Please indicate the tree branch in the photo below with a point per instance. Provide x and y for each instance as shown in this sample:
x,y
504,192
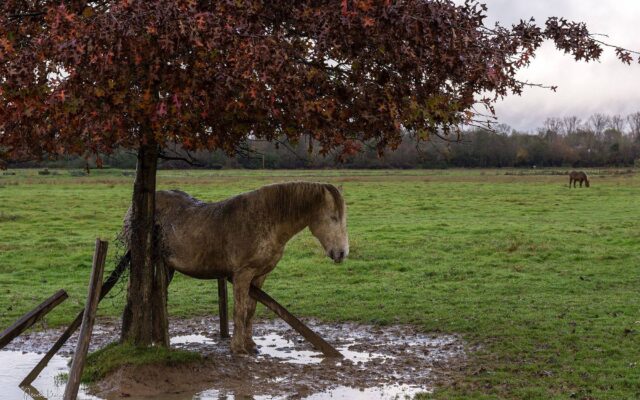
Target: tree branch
x,y
26,15
189,159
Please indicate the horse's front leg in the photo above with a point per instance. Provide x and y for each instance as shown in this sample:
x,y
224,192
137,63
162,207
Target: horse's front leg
x,y
241,284
250,345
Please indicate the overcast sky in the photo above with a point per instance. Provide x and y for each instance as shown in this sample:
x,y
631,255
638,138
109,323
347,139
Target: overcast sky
x,y
607,86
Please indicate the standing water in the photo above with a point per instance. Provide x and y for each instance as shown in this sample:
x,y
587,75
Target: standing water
x,y
15,365
394,362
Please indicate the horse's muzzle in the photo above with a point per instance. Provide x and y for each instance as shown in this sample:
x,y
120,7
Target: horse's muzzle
x,y
337,255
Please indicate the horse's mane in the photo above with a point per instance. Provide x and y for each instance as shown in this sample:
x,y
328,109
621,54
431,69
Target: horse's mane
x,y
294,199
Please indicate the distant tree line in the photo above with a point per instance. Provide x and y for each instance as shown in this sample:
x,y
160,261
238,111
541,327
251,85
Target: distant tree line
x,y
599,141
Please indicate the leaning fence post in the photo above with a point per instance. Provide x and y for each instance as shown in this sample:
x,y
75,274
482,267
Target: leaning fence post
x,y
93,298
108,284
31,317
315,339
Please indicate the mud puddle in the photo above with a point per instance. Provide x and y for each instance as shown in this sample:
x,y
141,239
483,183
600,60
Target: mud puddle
x,y
338,393
379,363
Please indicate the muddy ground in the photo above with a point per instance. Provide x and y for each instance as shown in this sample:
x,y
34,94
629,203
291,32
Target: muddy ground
x,y
380,362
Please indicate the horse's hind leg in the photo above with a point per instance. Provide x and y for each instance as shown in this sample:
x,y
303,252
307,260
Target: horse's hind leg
x,y
241,283
250,345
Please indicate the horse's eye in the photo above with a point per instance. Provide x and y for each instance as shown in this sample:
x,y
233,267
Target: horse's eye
x,y
334,219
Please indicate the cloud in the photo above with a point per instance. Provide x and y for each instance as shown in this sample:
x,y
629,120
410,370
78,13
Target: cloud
x,y
607,86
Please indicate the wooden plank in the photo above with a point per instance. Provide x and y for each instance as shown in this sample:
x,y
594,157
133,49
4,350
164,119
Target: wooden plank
x,y
106,287
88,318
318,342
223,308
32,393
31,317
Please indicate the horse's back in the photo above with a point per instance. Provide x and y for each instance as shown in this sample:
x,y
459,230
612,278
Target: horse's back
x,y
577,175
167,200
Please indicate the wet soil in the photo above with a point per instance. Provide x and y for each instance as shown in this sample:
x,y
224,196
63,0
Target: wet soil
x,y
379,363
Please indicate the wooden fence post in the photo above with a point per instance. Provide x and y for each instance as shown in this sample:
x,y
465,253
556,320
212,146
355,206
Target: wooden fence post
x,y
318,342
222,308
106,287
93,298
31,317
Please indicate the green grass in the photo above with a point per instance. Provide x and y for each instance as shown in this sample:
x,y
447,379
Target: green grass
x,y
542,281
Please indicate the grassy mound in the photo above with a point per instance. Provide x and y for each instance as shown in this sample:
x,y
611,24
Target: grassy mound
x,y
112,357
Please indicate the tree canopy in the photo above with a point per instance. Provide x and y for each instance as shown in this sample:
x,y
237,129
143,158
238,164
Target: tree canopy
x,y
86,77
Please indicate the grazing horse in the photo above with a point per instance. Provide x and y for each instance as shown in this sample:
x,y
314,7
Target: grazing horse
x,y
578,176
244,237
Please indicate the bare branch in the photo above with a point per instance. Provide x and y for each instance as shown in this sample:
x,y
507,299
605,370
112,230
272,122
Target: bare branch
x,y
188,158
26,15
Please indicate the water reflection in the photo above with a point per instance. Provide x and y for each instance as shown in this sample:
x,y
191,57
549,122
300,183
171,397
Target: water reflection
x,y
277,346
15,365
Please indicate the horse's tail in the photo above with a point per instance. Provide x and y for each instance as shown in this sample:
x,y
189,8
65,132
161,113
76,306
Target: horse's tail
x,y
125,234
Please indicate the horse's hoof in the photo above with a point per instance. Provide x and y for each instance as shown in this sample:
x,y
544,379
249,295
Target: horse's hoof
x,y
238,348
251,349
251,346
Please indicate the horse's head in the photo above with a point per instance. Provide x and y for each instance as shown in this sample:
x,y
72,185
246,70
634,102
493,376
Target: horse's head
x,y
586,180
329,224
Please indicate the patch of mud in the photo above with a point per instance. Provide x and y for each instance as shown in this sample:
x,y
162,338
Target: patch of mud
x,y
379,363
105,331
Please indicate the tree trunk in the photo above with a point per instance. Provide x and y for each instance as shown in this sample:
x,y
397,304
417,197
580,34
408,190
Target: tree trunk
x,y
144,320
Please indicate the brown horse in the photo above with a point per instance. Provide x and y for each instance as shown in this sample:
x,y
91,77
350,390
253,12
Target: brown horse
x,y
578,176
244,237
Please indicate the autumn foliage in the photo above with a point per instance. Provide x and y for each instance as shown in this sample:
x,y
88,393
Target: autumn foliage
x,y
84,77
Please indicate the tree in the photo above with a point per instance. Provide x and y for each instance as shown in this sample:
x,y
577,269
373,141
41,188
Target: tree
x,y
87,77
617,123
553,126
634,125
570,124
598,122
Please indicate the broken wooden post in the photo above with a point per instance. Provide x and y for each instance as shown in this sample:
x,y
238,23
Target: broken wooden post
x,y
106,287
318,342
90,309
222,308
32,392
31,317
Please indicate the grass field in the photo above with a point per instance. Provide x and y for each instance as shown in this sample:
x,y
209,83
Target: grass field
x,y
542,281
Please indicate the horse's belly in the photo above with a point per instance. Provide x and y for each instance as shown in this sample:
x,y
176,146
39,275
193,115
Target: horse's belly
x,y
194,258
199,268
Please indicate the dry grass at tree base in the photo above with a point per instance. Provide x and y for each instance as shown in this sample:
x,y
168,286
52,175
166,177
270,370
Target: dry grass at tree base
x,y
542,279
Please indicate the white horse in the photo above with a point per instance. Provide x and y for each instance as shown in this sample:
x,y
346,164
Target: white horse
x,y
244,237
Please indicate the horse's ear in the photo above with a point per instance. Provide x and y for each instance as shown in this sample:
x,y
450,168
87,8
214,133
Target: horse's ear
x,y
340,189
